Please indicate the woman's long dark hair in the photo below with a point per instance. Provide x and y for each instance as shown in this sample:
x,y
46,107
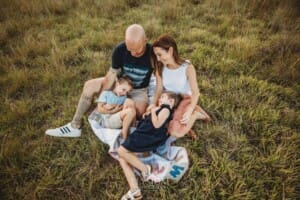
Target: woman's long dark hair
x,y
164,42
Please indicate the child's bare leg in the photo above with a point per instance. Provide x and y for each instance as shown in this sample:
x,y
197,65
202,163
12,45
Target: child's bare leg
x,y
129,174
132,159
129,103
127,116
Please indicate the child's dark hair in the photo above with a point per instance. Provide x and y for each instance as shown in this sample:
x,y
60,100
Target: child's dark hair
x,y
124,79
171,95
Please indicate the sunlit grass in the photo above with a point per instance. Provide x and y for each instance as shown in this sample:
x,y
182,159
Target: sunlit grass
x,y
246,55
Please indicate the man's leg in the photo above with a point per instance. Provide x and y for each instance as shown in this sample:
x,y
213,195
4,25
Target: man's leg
x,y
72,129
91,88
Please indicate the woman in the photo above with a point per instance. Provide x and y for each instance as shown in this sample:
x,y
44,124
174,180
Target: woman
x,y
177,75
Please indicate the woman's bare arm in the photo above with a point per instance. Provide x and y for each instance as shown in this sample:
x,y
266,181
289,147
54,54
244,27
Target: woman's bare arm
x,y
192,78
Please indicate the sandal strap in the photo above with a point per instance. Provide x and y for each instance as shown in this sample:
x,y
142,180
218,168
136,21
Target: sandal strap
x,y
136,194
145,175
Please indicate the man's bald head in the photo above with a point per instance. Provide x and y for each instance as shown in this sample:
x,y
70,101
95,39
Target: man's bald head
x,y
135,40
135,33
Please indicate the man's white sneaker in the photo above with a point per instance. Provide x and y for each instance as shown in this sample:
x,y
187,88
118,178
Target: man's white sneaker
x,y
64,131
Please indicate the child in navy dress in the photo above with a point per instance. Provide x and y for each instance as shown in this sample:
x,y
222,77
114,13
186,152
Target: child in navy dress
x,y
151,132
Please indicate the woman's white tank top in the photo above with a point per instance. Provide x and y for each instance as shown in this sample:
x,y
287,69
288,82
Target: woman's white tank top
x,y
175,80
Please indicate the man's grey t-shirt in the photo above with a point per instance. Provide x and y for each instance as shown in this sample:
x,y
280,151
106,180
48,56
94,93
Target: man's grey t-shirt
x,y
138,69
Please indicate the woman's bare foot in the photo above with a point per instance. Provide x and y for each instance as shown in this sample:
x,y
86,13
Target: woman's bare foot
x,y
201,114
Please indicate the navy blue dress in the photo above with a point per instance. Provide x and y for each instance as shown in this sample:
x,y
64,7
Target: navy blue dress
x,y
146,137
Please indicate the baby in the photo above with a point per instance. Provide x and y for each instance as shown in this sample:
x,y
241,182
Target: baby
x,y
110,112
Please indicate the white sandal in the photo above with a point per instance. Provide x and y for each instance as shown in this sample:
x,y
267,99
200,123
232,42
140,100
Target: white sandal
x,y
145,175
135,195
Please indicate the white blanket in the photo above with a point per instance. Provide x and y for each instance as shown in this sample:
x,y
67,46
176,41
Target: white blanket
x,y
168,162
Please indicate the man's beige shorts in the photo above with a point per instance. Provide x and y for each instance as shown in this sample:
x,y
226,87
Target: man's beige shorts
x,y
139,95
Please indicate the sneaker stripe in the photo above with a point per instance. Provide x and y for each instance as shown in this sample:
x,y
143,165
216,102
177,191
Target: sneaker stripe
x,y
68,129
62,130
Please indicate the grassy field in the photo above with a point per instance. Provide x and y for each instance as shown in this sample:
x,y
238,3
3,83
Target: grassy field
x,y
247,57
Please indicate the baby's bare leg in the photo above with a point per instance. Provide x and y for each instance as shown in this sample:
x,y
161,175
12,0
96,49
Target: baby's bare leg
x,y
128,117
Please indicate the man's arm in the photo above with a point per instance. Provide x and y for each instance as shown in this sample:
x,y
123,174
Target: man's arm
x,y
115,70
110,78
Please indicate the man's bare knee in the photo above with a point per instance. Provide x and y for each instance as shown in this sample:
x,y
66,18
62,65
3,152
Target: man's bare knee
x,y
93,86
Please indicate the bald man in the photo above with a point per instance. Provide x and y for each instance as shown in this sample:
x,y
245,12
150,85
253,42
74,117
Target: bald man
x,y
130,58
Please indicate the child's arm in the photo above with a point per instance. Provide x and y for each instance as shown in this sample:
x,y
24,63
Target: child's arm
x,y
109,106
158,120
101,108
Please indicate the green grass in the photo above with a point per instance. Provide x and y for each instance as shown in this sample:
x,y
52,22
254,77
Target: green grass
x,y
246,55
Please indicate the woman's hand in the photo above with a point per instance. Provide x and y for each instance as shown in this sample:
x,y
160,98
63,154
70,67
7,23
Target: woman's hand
x,y
186,116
